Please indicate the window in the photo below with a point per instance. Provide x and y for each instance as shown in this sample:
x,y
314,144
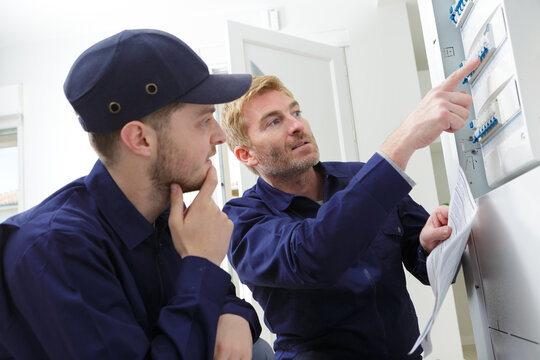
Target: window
x,y
9,181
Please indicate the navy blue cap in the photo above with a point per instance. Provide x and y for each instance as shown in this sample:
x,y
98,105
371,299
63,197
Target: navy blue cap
x,y
135,72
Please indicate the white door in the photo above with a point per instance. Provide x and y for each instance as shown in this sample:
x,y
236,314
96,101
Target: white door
x,y
317,76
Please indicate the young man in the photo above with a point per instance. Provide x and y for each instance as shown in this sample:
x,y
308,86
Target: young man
x,y
321,245
112,266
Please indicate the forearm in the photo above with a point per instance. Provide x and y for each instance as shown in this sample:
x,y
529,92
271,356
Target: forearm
x,y
88,312
188,323
314,252
398,148
236,306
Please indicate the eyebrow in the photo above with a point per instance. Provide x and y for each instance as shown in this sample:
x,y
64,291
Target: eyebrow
x,y
276,112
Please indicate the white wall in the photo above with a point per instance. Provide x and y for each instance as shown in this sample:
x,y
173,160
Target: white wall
x,y
55,150
383,80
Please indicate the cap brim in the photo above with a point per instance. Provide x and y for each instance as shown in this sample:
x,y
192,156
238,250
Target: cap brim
x,y
218,89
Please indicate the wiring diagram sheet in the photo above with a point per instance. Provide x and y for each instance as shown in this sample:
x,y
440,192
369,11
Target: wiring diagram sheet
x,y
443,262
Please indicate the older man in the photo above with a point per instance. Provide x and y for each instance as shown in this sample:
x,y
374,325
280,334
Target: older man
x,y
321,245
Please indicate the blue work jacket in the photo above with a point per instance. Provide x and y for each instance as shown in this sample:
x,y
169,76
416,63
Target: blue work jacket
x,y
330,278
84,275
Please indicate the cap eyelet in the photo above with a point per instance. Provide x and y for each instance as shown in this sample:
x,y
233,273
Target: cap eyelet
x,y
151,89
114,107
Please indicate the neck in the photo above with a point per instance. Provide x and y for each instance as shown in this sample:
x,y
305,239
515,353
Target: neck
x,y
309,184
140,191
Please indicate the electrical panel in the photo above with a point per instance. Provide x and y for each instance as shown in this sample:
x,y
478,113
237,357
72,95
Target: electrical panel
x,y
499,150
501,127
502,139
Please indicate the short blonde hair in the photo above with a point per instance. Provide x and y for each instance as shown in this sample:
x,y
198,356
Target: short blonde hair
x,y
232,118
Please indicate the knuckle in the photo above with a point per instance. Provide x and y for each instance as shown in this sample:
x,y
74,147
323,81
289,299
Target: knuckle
x,y
443,112
437,92
433,92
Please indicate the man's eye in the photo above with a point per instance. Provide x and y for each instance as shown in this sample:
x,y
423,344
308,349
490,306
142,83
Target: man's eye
x,y
273,122
297,113
205,122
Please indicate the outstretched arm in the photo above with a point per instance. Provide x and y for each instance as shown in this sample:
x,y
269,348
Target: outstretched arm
x,y
440,110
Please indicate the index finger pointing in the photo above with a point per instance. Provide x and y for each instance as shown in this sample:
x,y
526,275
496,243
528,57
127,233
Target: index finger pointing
x,y
209,184
452,82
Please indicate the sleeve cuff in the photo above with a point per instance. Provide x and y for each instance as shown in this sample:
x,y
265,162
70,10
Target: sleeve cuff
x,y
422,253
398,169
379,178
236,306
199,275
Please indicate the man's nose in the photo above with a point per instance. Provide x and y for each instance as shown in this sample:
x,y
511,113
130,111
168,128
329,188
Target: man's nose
x,y
296,125
219,136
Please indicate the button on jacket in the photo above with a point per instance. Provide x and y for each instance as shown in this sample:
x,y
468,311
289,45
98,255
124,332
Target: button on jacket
x,y
85,276
330,278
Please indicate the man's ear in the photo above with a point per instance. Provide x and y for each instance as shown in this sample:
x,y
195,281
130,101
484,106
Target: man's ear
x,y
245,156
139,138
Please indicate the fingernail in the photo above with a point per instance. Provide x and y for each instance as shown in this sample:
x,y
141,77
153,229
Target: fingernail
x,y
173,188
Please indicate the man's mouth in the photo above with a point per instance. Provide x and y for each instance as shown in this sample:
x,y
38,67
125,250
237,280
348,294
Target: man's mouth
x,y
302,143
212,153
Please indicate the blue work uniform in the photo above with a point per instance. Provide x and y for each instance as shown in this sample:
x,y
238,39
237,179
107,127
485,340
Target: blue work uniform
x,y
86,276
330,278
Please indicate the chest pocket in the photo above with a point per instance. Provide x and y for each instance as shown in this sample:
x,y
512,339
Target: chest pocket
x,y
393,229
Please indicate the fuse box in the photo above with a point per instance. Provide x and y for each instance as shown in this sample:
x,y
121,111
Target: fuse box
x,y
502,139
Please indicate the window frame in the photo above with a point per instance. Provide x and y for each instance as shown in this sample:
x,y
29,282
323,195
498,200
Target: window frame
x,y
14,121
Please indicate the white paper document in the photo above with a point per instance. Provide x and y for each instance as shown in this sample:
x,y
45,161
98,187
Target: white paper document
x,y
444,260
